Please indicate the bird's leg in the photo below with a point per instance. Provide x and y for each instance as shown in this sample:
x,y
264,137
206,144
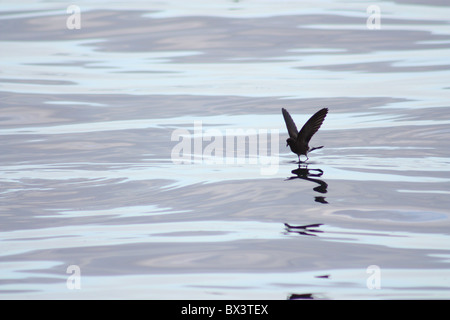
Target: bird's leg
x,y
300,162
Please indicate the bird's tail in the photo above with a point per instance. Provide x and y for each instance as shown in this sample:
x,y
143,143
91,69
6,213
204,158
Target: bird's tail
x,y
315,148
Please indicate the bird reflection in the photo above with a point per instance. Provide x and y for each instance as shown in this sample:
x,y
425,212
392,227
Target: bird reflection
x,y
302,172
306,296
302,296
305,230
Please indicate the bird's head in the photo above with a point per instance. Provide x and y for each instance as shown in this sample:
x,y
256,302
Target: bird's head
x,y
290,142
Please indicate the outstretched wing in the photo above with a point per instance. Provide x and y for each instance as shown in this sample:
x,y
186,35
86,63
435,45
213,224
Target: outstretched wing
x,y
312,125
290,124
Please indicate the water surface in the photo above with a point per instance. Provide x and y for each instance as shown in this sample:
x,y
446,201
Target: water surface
x,y
88,179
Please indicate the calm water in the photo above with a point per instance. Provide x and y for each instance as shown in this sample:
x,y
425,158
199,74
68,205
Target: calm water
x,y
88,177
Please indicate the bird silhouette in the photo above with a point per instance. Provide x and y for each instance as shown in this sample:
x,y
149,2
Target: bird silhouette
x,y
298,140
